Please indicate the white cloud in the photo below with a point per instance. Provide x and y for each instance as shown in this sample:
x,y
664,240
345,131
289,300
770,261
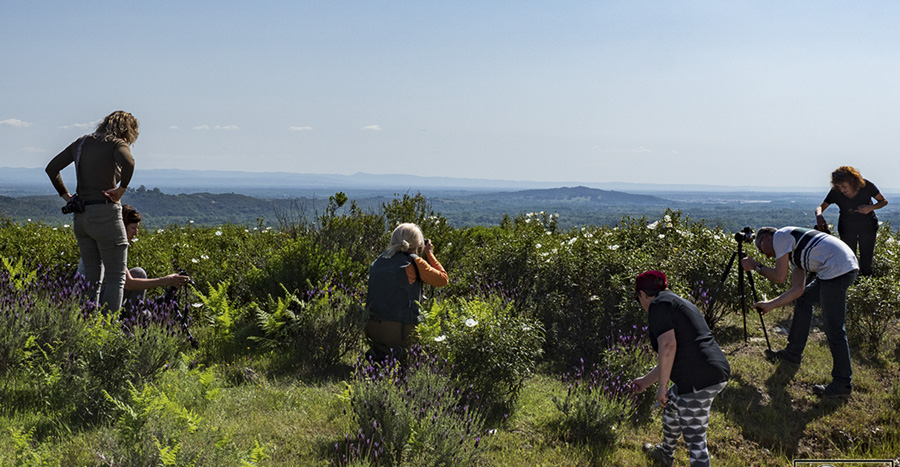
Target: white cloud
x,y
372,127
299,128
15,123
217,127
82,126
173,127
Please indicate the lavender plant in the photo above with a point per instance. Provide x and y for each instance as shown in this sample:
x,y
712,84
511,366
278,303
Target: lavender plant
x,y
411,415
600,397
60,353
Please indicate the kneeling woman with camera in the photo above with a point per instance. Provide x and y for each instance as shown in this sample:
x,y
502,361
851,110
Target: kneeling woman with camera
x,y
102,161
395,290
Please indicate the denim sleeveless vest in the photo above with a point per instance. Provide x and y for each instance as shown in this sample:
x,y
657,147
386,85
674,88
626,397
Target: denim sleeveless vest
x,y
390,296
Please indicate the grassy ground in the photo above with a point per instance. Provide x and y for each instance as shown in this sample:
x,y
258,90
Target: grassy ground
x,y
767,415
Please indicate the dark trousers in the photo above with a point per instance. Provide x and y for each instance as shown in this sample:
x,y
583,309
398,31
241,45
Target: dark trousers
x,y
831,294
389,335
862,235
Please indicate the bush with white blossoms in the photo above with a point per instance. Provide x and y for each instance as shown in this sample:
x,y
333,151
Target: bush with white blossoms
x,y
492,349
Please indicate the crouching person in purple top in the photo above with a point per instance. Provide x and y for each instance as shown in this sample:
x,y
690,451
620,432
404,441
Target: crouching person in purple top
x,y
688,356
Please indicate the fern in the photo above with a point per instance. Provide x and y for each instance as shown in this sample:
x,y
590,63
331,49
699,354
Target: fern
x,y
19,275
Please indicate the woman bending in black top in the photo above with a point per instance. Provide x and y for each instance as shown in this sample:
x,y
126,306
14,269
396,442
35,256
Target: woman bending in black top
x,y
857,223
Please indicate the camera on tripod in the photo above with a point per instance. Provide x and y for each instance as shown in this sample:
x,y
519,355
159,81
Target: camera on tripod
x,y
745,235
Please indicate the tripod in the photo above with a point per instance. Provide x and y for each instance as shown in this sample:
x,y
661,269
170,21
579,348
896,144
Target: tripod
x,y
744,236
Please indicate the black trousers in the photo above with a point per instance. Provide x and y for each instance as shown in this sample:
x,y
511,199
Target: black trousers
x,y
861,234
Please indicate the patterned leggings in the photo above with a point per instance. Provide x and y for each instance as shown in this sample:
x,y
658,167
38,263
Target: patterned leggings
x,y
688,415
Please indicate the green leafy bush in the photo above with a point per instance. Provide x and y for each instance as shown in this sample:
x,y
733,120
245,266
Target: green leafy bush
x,y
873,305
492,350
316,332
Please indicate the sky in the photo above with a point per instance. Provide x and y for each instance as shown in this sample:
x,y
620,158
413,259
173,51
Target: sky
x,y
758,93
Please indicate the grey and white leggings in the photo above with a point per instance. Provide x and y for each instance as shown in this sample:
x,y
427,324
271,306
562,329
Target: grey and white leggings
x,y
688,415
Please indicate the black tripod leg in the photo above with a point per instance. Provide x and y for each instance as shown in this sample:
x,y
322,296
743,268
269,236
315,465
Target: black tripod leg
x,y
761,322
715,295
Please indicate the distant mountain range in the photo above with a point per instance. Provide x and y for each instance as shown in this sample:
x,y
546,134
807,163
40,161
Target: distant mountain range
x,y
33,181
578,194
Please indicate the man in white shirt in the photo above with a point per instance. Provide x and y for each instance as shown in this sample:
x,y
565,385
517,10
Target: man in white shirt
x,y
806,250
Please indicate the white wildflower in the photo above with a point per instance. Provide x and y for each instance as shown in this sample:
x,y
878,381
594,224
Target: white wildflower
x,y
573,240
537,245
594,298
204,257
440,338
196,305
662,236
667,218
471,323
653,225
195,260
65,226
613,247
159,231
218,233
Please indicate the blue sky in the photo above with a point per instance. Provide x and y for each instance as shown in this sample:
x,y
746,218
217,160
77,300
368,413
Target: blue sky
x,y
764,93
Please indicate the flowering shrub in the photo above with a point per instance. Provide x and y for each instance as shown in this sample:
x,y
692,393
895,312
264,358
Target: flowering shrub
x,y
58,352
411,415
492,350
600,395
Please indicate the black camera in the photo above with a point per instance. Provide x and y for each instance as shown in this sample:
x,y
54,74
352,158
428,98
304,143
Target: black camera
x,y
745,235
75,204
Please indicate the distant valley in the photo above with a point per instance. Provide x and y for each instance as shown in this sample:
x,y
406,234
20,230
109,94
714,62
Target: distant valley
x,y
253,199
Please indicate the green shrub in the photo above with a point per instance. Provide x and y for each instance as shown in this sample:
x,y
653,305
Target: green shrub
x,y
873,305
492,350
316,332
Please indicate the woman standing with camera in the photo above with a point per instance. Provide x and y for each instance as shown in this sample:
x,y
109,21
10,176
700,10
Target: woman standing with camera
x,y
857,223
103,168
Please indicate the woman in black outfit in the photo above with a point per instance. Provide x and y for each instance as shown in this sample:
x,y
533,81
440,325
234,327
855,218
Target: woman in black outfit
x,y
857,223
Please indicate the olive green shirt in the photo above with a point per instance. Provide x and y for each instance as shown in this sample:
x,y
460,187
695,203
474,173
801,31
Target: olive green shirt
x,y
103,166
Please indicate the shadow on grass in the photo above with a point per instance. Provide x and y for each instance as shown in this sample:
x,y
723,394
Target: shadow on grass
x,y
772,418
